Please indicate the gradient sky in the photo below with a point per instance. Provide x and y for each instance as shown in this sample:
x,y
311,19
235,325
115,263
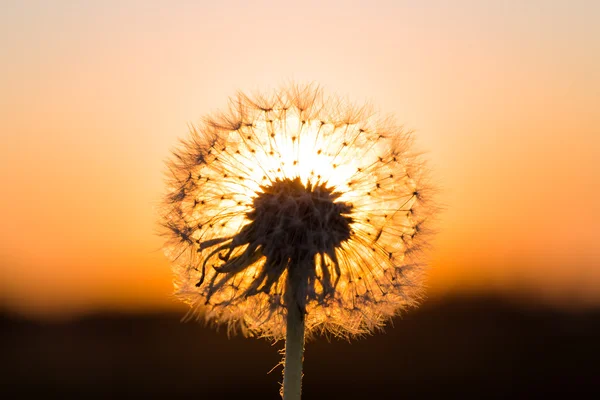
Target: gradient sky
x,y
505,98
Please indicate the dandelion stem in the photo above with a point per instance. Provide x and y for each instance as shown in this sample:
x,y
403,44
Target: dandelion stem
x,y
294,352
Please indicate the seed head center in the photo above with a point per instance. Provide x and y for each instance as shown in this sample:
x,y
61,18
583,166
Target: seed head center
x,y
294,221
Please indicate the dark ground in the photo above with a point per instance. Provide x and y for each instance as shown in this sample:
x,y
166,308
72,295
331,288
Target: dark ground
x,y
463,347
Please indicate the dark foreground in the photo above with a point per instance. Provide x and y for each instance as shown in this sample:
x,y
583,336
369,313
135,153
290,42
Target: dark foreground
x,y
467,348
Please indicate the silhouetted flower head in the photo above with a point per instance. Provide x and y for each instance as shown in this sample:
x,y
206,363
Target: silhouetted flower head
x,y
298,188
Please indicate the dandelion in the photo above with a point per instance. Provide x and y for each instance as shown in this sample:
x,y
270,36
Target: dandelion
x,y
292,214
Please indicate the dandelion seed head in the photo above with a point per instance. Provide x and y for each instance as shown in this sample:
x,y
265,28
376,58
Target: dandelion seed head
x,y
297,187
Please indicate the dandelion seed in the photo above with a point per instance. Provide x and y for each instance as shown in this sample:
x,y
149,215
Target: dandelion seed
x,y
294,214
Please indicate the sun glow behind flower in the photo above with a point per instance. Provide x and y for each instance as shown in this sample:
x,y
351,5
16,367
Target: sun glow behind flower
x,y
323,164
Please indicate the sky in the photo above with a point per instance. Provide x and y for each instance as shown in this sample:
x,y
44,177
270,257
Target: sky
x,y
503,98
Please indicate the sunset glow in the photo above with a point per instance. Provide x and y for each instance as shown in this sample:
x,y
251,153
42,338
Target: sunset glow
x,y
503,99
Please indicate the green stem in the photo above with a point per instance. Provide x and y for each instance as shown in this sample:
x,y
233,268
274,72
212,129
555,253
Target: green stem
x,y
294,353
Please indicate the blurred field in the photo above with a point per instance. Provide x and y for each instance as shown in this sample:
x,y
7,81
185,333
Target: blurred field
x,y
456,347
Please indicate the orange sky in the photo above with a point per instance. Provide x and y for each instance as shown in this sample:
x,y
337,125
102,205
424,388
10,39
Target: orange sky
x,y
504,98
